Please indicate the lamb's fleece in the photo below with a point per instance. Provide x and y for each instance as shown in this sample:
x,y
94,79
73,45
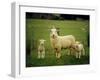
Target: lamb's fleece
x,y
79,49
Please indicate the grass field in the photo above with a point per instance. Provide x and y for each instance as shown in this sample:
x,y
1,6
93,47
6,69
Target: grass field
x,y
39,29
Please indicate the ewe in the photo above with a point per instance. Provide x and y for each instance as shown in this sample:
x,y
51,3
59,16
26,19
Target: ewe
x,y
41,49
79,49
59,42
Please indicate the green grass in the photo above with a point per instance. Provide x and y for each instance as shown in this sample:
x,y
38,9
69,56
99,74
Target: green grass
x,y
40,29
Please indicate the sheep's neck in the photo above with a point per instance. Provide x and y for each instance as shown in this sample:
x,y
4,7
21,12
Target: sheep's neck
x,y
54,41
41,45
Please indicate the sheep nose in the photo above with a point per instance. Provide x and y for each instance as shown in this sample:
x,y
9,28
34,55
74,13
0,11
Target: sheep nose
x,y
53,35
41,43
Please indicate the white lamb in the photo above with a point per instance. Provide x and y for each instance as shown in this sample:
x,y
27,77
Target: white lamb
x,y
41,49
59,42
79,49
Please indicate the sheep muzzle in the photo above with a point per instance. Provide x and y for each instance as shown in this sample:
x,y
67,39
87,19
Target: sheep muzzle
x,y
53,36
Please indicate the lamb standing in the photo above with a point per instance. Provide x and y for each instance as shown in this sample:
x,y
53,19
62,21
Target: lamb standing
x,y
59,42
41,49
79,49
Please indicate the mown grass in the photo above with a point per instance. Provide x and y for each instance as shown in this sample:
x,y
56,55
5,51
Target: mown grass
x,y
40,29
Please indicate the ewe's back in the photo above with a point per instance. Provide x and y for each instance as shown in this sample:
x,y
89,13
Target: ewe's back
x,y
66,41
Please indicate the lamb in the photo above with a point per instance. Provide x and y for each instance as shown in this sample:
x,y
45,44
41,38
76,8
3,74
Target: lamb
x,y
59,42
79,49
41,49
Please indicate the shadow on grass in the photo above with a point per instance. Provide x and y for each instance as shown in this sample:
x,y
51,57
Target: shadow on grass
x,y
48,61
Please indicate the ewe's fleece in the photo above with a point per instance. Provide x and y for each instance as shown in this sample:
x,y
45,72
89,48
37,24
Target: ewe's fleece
x,y
59,42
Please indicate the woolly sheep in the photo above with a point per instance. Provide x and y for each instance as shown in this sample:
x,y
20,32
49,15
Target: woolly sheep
x,y
79,49
41,49
59,42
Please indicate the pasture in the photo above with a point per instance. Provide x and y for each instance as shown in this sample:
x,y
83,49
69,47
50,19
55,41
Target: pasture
x,y
40,29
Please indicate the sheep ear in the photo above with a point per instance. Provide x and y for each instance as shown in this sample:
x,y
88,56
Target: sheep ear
x,y
77,42
44,40
40,40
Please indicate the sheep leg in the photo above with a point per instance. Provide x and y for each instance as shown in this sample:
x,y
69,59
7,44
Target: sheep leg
x,y
71,52
55,51
68,52
39,55
76,54
43,54
58,55
79,56
83,52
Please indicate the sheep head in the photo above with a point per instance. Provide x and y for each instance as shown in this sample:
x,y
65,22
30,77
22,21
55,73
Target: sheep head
x,y
53,32
76,45
42,41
